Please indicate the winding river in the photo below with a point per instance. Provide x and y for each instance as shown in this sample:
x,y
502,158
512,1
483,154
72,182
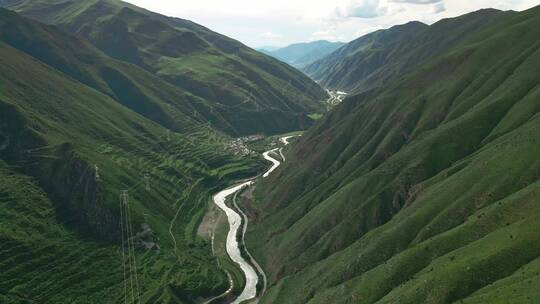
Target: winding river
x,y
235,220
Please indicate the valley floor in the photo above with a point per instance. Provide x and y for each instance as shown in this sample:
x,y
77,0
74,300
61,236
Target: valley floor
x,y
254,276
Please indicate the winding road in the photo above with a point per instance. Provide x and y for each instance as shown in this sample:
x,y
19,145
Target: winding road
x,y
336,97
275,162
235,220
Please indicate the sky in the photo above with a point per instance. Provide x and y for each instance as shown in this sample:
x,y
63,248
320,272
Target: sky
x,y
278,23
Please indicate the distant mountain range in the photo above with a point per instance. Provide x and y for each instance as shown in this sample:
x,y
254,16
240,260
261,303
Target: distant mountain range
x,y
268,49
301,54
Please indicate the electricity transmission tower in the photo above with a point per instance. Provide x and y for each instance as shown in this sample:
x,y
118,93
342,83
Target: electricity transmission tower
x,y
147,181
129,262
96,176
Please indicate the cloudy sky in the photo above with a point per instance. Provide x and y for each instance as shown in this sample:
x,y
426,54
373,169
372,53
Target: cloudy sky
x,y
281,22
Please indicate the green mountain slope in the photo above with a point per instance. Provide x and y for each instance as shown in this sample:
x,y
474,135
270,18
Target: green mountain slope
x,y
424,191
68,148
244,91
373,59
132,87
302,54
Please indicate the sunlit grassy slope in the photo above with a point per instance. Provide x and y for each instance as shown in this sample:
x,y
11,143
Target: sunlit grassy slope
x,y
424,190
59,227
239,90
130,86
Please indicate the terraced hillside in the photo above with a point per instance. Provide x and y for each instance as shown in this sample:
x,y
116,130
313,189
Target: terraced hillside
x,y
422,191
239,90
372,60
67,149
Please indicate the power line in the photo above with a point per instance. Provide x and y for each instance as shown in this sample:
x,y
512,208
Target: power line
x,y
124,196
147,181
96,176
123,247
132,250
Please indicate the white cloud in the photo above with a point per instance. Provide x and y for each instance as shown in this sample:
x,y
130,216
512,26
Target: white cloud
x,y
271,35
329,35
361,9
439,8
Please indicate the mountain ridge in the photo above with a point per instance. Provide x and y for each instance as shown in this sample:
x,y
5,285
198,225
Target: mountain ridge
x,y
378,57
244,92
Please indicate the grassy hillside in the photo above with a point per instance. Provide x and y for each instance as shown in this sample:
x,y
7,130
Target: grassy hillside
x,y
131,86
241,90
370,61
67,149
424,191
